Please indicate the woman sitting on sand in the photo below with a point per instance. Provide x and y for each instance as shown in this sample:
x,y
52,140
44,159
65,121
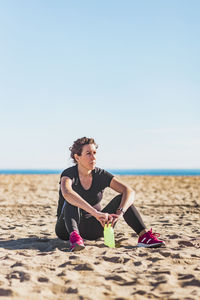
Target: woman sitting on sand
x,y
81,190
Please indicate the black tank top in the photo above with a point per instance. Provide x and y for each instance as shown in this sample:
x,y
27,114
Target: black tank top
x,y
100,180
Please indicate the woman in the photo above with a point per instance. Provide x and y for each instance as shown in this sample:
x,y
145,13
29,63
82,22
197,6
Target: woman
x,y
81,190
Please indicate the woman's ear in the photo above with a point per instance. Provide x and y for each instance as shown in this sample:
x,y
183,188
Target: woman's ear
x,y
76,157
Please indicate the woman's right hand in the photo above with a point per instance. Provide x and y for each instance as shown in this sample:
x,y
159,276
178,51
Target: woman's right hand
x,y
103,218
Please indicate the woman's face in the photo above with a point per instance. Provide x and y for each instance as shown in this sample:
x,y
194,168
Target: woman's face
x,y
87,159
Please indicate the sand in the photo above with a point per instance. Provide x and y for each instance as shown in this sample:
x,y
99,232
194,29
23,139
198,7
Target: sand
x,y
35,264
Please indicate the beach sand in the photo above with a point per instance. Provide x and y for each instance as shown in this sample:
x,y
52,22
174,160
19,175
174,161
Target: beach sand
x,y
35,264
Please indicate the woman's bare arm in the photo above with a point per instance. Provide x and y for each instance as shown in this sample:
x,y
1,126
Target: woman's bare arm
x,y
73,198
128,196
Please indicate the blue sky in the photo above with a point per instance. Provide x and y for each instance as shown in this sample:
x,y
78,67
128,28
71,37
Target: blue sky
x,y
124,72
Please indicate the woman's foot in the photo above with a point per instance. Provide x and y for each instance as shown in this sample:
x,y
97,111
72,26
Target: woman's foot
x,y
76,242
149,240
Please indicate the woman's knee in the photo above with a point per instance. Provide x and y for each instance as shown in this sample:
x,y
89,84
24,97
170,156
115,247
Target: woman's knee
x,y
61,232
118,197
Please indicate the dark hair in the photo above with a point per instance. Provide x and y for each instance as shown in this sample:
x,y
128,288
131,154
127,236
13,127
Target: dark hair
x,y
77,146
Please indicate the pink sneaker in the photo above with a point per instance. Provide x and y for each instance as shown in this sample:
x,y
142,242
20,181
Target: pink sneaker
x,y
149,240
76,242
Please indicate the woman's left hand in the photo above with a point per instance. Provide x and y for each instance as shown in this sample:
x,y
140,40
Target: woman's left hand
x,y
116,217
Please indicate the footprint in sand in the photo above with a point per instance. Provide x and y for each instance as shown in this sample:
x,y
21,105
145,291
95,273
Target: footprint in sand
x,y
188,224
142,254
84,267
161,272
188,280
73,256
20,275
61,274
156,283
159,280
139,292
72,290
64,265
165,254
167,293
176,255
193,282
17,264
185,276
43,279
114,278
165,221
154,259
116,259
185,243
8,228
120,280
173,236
5,292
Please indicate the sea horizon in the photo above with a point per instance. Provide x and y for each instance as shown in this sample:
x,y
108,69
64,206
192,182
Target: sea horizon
x,y
122,172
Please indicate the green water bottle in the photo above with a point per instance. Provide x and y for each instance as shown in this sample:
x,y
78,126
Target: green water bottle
x,y
109,239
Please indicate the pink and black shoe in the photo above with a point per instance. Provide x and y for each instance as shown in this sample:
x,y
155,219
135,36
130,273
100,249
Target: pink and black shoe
x,y
76,242
149,240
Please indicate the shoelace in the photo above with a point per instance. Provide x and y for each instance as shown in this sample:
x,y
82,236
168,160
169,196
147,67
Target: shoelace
x,y
74,237
153,234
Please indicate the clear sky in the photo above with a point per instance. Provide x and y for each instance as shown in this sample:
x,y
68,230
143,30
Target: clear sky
x,y
124,72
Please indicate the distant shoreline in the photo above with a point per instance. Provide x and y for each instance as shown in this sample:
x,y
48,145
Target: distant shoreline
x,y
122,172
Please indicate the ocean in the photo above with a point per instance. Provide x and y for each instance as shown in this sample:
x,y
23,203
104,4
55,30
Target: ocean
x,y
136,172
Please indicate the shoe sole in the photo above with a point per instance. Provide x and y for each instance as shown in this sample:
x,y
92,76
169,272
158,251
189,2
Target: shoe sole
x,y
151,246
77,248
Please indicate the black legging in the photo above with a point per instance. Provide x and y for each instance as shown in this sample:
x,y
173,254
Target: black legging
x,y
73,218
